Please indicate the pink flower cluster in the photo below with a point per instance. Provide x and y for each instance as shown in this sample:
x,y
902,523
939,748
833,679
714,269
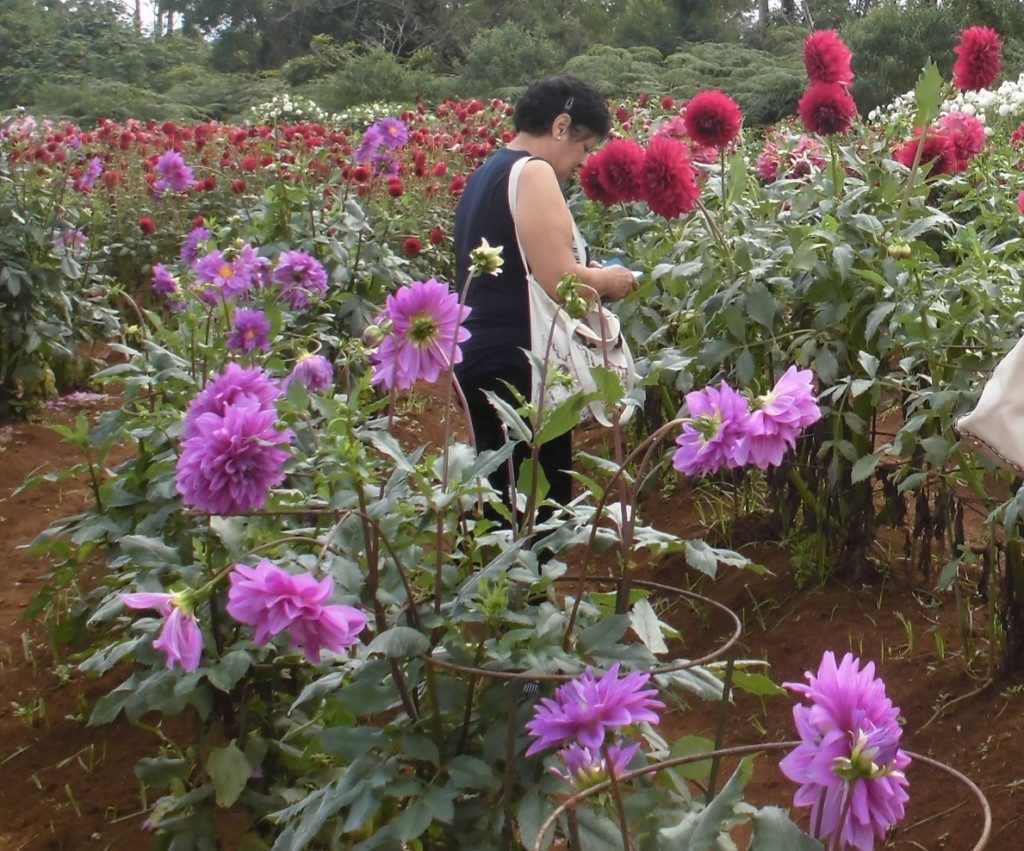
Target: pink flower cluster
x,y
723,431
948,146
791,158
273,601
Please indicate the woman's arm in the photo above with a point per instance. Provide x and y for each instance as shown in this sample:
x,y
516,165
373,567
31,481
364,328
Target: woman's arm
x,y
544,225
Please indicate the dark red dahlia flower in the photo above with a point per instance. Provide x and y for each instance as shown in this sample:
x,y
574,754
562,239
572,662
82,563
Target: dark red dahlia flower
x,y
939,152
979,58
827,109
827,58
412,246
593,187
667,179
147,225
712,119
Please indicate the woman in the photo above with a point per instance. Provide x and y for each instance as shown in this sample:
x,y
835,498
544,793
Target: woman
x,y
558,121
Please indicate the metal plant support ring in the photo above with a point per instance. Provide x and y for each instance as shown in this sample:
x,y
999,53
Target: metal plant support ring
x,y
747,750
537,676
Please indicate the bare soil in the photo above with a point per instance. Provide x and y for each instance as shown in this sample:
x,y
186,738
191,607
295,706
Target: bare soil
x,y
65,785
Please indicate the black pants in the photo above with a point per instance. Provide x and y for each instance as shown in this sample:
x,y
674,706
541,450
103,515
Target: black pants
x,y
555,455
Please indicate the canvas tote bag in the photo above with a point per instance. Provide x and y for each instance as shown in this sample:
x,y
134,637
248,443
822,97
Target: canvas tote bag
x,y
996,425
577,345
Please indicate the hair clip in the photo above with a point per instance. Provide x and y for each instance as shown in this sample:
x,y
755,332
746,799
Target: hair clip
x,y
569,102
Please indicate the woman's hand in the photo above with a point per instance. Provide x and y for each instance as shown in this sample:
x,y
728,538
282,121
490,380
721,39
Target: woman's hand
x,y
616,282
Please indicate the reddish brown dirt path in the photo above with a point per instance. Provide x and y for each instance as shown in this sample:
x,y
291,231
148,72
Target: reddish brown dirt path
x,y
63,785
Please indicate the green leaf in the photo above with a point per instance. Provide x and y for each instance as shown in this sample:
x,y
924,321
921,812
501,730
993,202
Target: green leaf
x,y
142,551
470,772
646,625
229,670
928,95
562,418
229,770
603,634
869,362
761,306
773,831
758,685
399,642
843,256
687,746
700,831
863,468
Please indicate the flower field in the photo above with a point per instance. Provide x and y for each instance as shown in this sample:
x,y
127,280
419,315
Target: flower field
x,y
346,637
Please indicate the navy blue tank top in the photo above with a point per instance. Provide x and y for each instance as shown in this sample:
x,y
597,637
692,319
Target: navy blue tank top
x,y
500,322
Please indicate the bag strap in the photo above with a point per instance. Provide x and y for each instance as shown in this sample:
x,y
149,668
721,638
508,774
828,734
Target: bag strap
x,y
514,174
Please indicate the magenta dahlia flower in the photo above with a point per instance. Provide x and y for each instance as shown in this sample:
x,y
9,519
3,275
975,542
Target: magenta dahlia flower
x,y
827,58
939,153
712,118
716,435
236,385
273,601
231,462
180,639
313,371
174,173
250,332
585,709
966,133
667,179
979,58
849,764
426,325
216,276
300,276
585,767
827,109
779,416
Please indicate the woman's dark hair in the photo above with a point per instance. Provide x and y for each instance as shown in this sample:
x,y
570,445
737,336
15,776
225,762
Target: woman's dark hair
x,y
549,97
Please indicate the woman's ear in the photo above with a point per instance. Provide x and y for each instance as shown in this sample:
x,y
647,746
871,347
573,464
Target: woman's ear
x,y
560,126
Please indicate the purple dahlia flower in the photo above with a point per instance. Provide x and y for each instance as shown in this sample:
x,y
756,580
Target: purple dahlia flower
x,y
426,325
231,462
93,170
163,281
300,275
180,638
585,767
192,245
585,709
250,332
173,172
848,763
314,371
716,436
779,417
236,385
273,601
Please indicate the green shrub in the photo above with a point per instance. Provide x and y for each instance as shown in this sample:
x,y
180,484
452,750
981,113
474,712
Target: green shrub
x,y
507,56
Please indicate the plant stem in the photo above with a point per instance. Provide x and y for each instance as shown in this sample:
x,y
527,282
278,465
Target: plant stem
x,y
620,808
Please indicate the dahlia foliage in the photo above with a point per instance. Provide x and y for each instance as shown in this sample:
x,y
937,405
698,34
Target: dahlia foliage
x,y
849,764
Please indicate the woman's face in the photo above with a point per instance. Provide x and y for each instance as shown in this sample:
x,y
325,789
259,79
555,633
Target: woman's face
x,y
571,151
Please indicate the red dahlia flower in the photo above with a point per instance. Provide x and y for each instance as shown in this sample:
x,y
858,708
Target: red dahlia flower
x,y
667,102
147,225
667,178
412,246
967,134
618,164
938,152
979,58
712,119
827,58
827,108
592,183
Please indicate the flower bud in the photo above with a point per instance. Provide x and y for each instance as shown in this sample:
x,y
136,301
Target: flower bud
x,y
899,251
486,259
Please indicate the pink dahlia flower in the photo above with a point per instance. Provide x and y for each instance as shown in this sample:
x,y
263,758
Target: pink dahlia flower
x,y
250,332
173,173
426,325
712,119
827,58
979,58
966,133
585,709
180,639
586,767
716,435
313,371
273,601
779,416
827,109
848,763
